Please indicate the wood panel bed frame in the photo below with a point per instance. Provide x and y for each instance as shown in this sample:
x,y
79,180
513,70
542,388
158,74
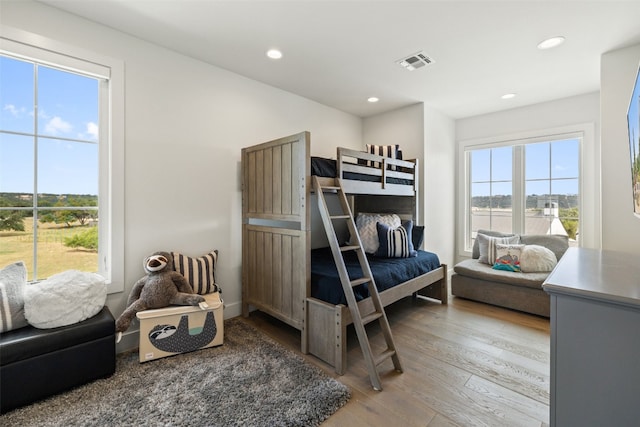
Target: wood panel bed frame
x,y
276,238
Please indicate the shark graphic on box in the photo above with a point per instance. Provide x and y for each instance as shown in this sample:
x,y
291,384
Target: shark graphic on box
x,y
180,340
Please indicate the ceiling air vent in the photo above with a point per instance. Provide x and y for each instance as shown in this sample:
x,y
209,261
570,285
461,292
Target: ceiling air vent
x,y
415,61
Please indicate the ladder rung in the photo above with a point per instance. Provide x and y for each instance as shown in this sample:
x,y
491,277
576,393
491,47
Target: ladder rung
x,y
359,281
371,317
384,356
340,216
349,248
329,188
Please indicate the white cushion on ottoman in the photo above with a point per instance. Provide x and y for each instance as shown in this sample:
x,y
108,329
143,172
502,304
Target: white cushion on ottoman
x,y
64,299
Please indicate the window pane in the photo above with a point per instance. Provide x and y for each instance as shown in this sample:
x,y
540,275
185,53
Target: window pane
x,y
67,167
16,235
480,165
501,164
565,159
67,104
537,161
564,186
535,188
63,246
16,95
16,164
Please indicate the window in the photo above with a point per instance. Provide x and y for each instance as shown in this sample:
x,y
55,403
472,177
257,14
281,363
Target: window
x,y
60,200
524,186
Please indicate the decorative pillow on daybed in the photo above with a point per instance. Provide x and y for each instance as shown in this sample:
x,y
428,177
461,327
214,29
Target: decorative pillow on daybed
x,y
487,246
199,272
13,278
535,259
64,299
508,257
366,225
475,252
395,242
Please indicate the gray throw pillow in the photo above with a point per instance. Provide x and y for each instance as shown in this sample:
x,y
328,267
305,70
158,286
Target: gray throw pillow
x,y
12,280
487,245
475,252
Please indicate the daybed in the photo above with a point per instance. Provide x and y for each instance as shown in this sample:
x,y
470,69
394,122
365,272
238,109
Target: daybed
x,y
277,257
38,363
478,281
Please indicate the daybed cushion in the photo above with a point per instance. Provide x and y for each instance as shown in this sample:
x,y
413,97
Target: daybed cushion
x,y
13,278
64,299
557,243
474,268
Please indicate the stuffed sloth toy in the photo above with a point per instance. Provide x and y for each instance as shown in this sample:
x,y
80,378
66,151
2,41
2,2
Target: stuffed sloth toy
x,y
161,287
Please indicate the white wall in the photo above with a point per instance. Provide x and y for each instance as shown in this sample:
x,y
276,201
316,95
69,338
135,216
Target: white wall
x,y
581,111
185,124
428,135
620,227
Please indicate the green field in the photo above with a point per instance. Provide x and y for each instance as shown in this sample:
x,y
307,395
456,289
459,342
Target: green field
x,y
53,255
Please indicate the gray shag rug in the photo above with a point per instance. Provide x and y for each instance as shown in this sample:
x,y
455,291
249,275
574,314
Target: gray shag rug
x,y
248,381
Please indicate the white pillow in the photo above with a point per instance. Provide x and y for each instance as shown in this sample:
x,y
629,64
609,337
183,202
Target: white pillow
x,y
64,299
536,258
366,225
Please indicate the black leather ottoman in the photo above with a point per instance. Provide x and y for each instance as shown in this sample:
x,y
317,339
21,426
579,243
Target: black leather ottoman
x,y
37,363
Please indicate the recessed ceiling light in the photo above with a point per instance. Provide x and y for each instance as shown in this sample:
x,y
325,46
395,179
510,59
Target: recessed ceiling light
x,y
508,96
551,42
274,54
373,99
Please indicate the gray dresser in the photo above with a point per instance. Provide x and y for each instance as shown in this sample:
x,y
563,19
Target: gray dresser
x,y
595,339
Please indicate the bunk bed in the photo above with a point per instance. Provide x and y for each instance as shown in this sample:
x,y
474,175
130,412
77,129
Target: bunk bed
x,y
277,254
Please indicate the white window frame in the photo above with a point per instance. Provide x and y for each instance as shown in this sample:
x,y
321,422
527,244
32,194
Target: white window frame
x,y
589,183
19,43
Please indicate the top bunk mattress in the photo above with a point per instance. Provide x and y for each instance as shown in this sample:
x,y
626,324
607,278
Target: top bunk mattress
x,y
324,167
387,272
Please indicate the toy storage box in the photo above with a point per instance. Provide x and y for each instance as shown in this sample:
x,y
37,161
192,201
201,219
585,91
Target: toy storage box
x,y
180,329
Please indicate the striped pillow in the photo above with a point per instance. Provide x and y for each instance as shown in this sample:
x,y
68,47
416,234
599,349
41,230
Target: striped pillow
x,y
391,151
487,245
395,242
199,272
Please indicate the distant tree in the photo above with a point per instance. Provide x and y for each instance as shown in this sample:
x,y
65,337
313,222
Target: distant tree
x,y
11,220
570,221
68,217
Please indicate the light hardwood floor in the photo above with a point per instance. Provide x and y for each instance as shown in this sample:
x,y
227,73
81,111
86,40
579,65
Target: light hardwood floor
x,y
465,364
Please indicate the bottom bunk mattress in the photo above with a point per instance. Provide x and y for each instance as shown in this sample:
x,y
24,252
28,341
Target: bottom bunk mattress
x,y
387,272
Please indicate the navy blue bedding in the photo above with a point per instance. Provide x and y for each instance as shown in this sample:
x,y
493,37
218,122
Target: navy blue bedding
x,y
387,272
327,168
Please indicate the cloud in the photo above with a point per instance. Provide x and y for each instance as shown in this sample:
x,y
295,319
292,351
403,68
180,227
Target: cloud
x,y
92,130
56,125
14,111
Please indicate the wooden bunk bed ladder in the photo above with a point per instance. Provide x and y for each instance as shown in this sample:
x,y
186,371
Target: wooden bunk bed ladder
x,y
360,320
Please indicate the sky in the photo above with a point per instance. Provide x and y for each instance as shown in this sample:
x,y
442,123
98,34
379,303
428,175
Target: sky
x,y
550,167
67,108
